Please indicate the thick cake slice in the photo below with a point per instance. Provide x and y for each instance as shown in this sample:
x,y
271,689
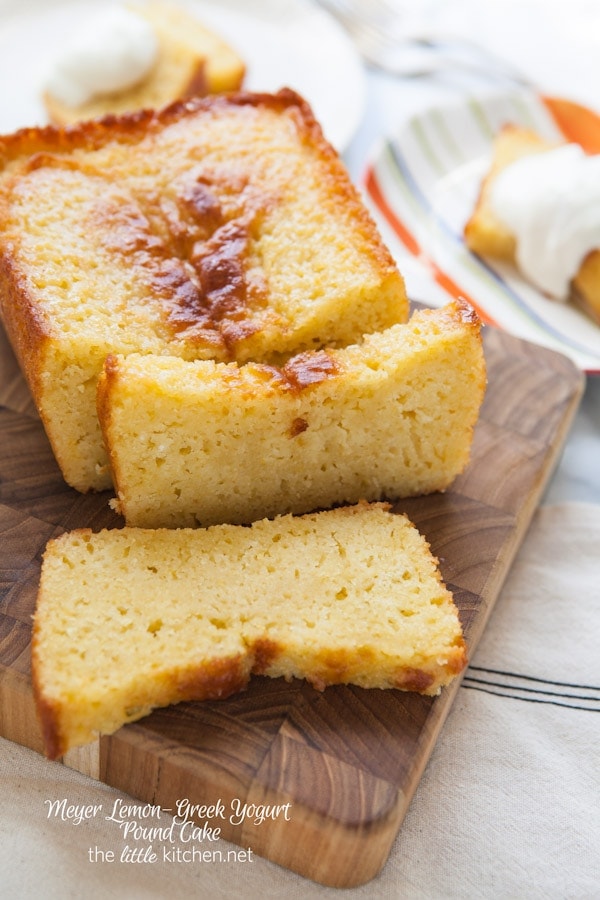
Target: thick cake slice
x,y
222,228
128,620
204,443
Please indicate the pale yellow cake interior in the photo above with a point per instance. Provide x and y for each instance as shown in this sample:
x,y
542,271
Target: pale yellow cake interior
x,y
203,443
131,619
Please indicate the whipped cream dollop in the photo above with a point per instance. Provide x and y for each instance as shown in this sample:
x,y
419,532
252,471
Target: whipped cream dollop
x,y
550,201
112,52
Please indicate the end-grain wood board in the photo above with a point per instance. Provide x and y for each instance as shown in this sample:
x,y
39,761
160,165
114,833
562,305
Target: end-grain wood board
x,y
348,760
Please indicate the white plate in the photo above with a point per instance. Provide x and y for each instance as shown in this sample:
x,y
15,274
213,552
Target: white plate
x,y
284,44
422,185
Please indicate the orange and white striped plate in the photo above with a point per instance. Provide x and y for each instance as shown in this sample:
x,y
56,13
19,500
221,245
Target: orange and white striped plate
x,y
421,185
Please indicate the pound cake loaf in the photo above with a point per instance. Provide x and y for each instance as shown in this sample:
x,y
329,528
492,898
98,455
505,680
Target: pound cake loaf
x,y
222,228
487,234
199,442
189,59
133,619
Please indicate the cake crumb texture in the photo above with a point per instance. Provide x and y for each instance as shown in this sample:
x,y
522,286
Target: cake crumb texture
x,y
132,619
202,443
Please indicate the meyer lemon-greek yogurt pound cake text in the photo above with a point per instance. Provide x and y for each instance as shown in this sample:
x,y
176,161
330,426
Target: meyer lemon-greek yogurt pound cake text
x,y
222,228
132,619
199,442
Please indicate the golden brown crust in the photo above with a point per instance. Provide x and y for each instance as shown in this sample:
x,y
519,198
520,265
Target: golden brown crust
x,y
48,712
210,305
333,666
414,680
212,680
467,313
190,60
134,126
199,268
215,679
306,369
25,325
461,658
458,313
263,652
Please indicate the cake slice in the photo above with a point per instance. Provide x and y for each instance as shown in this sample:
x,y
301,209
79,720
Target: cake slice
x,y
222,228
486,234
133,619
191,60
205,442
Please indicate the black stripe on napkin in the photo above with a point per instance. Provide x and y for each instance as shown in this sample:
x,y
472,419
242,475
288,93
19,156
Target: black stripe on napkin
x,y
533,690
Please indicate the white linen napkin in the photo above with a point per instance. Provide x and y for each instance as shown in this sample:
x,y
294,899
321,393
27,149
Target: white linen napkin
x,y
508,807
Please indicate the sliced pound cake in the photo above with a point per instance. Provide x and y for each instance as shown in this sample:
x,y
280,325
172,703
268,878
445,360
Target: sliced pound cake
x,y
221,228
132,619
199,442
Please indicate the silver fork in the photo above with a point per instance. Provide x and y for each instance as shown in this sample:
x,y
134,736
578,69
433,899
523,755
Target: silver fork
x,y
384,43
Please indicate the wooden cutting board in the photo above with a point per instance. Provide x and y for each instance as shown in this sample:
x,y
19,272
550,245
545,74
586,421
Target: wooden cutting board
x,y
347,760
